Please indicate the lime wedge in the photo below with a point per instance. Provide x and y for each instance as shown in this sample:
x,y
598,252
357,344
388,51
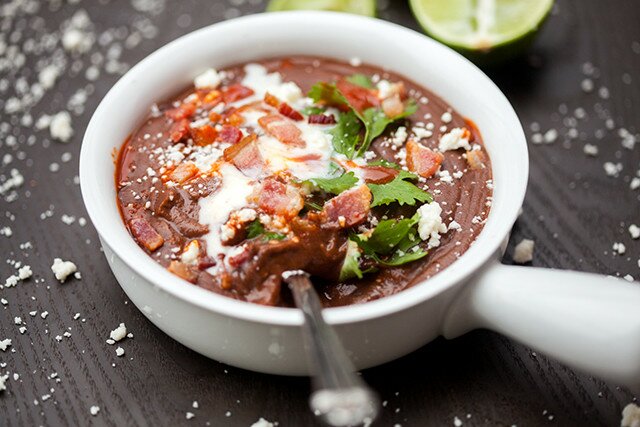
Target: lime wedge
x,y
360,7
487,31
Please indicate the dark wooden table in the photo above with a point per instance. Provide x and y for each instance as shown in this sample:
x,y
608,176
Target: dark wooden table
x,y
573,210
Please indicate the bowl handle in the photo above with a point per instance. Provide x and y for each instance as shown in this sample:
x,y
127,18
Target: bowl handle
x,y
587,321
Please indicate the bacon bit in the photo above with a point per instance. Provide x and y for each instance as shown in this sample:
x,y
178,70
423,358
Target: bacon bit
x,y
349,208
271,100
322,119
277,198
179,130
378,174
212,98
288,111
476,159
282,129
215,117
422,160
203,135
235,93
246,156
392,106
359,97
306,158
183,271
206,262
145,234
230,134
184,111
238,259
184,172
234,119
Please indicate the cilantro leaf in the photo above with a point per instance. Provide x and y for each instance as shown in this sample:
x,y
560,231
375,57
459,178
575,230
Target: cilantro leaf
x,y
400,258
351,265
312,206
346,133
399,190
312,109
335,185
360,80
256,229
384,163
386,236
376,121
327,93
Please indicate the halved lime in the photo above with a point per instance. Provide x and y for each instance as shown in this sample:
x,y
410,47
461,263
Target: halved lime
x,y
360,7
485,30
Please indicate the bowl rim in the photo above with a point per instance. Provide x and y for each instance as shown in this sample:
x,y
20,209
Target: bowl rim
x,y
149,269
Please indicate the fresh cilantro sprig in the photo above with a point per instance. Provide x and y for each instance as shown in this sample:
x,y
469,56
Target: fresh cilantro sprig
x,y
350,141
335,185
399,190
360,80
256,229
351,265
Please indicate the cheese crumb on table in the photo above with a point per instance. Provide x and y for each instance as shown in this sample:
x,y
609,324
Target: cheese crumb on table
x,y
94,410
630,416
62,269
262,423
4,344
523,252
119,351
60,126
634,231
190,415
118,333
3,380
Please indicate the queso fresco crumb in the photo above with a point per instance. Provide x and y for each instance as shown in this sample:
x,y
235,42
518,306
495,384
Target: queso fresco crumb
x,y
358,176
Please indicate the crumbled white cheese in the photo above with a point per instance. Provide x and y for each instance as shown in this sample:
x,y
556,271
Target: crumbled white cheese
x,y
60,126
94,410
630,416
454,140
209,79
446,117
619,248
457,422
454,225
190,253
523,251
119,351
612,169
189,415
3,382
262,423
634,231
257,78
634,184
421,133
6,231
118,333
355,61
63,269
48,75
430,224
4,344
590,150
399,137
25,272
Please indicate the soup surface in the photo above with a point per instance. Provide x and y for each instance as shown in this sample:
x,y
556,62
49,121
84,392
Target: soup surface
x,y
352,173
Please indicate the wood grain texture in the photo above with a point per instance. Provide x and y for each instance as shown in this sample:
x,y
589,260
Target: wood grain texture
x,y
572,209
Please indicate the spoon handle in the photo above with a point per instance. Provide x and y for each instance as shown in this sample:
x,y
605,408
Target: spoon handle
x,y
340,396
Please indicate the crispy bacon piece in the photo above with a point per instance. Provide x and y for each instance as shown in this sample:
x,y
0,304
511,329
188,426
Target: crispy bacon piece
x,y
211,98
378,174
230,134
277,198
239,258
271,100
215,117
203,135
183,111
145,234
183,270
359,97
288,111
282,129
476,159
348,208
234,119
236,92
179,130
422,160
184,172
392,106
322,119
246,156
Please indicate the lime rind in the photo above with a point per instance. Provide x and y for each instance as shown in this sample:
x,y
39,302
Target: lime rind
x,y
360,7
480,25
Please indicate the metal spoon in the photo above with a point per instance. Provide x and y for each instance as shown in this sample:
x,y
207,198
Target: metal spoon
x,y
340,397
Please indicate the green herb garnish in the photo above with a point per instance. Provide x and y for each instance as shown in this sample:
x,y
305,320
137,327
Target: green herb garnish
x,y
256,229
335,185
399,190
346,133
351,264
360,80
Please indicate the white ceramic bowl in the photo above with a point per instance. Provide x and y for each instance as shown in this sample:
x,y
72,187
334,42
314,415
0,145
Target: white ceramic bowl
x,y
584,320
